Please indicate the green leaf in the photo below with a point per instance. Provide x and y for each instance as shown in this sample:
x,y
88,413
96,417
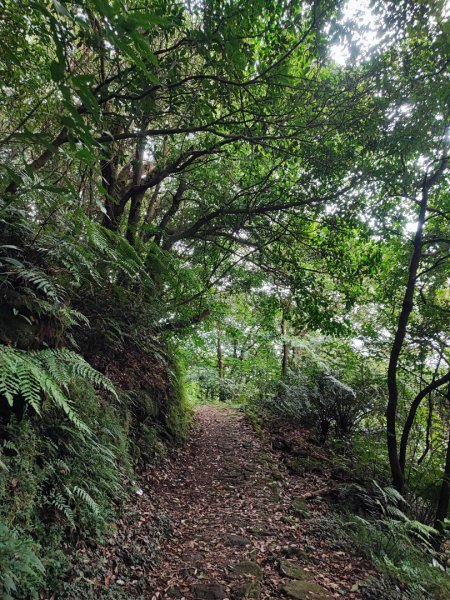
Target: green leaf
x,y
60,8
147,20
57,71
104,8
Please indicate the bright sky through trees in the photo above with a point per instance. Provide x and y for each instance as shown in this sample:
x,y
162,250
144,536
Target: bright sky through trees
x,y
365,33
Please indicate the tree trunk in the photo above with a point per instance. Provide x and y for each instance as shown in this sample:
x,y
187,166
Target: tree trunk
x,y
43,159
398,477
220,364
412,414
152,209
137,197
285,352
444,496
133,216
407,306
427,448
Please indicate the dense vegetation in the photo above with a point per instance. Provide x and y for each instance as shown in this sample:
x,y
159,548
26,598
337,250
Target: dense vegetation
x,y
236,201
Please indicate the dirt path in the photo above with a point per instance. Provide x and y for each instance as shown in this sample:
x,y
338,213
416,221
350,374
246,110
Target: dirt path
x,y
239,527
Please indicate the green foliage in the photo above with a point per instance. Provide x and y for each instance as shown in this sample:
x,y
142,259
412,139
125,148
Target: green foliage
x,y
59,480
313,392
20,568
77,473
42,375
402,551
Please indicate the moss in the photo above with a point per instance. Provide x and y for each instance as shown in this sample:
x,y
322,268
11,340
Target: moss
x,y
150,446
256,421
294,571
300,508
58,479
300,465
305,590
148,404
179,412
249,568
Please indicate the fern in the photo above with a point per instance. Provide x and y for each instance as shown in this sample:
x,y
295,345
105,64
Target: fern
x,y
40,374
87,498
19,564
57,500
31,275
424,534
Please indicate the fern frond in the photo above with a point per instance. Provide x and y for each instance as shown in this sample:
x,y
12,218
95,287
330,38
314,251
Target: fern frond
x,y
34,277
394,495
421,532
87,498
58,501
47,373
395,512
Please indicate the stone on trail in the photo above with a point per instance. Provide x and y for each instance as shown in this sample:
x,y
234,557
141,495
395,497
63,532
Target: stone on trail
x,y
275,492
208,591
251,589
194,558
238,540
290,551
289,519
300,508
295,466
305,590
260,531
293,571
301,466
174,592
276,474
247,567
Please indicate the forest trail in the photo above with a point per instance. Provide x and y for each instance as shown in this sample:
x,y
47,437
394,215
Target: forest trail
x,y
240,528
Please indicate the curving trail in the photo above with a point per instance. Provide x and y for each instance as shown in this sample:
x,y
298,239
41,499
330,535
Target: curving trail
x,y
239,526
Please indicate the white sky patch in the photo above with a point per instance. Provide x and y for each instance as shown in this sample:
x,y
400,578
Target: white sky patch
x,y
410,227
446,9
447,135
357,343
365,34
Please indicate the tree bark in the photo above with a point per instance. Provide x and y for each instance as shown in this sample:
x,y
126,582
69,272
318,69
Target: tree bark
x,y
285,351
137,197
220,363
424,454
43,159
398,477
444,496
412,413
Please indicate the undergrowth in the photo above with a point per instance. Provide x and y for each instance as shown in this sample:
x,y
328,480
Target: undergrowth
x,y
400,548
61,482
402,552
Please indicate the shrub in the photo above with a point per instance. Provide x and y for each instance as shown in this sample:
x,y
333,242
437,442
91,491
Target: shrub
x,y
318,399
58,479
